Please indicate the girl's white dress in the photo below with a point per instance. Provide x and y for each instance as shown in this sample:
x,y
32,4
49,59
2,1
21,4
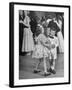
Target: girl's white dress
x,y
28,42
40,51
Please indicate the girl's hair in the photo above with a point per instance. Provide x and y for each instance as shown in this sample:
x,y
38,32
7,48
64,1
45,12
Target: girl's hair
x,y
38,30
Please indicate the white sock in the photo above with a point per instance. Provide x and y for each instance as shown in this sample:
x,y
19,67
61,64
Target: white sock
x,y
52,67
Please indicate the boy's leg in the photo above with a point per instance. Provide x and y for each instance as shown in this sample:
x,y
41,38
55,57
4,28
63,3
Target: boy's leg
x,y
45,68
52,63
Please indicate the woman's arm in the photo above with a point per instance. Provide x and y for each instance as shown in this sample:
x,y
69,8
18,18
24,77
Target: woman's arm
x,y
21,22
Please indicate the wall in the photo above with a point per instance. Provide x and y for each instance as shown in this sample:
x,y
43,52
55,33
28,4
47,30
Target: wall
x,y
4,44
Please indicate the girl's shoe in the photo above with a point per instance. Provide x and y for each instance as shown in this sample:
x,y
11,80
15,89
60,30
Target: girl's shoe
x,y
36,71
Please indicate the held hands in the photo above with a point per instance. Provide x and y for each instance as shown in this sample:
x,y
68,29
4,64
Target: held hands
x,y
51,46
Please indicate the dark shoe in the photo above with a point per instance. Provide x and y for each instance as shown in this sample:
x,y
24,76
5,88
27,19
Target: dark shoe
x,y
36,71
47,74
52,71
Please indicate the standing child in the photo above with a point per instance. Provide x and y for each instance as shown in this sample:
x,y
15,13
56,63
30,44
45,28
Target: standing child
x,y
54,44
40,52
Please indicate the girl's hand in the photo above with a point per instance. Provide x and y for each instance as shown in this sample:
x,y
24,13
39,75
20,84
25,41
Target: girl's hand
x,y
49,47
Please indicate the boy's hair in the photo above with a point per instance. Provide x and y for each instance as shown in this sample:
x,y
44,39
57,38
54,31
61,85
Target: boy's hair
x,y
53,26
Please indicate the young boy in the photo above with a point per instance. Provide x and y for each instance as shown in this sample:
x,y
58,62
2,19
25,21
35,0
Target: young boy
x,y
54,44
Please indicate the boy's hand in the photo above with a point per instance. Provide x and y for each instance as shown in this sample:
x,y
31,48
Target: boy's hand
x,y
53,46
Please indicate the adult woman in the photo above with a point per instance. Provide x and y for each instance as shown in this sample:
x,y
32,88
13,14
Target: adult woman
x,y
28,43
21,28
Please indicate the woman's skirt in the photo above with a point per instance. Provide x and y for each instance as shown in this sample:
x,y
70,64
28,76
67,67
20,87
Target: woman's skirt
x,y
28,42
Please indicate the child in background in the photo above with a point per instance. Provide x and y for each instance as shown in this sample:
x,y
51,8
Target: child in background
x,y
41,51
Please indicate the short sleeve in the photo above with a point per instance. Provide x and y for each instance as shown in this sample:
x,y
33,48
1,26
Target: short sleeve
x,y
56,42
42,38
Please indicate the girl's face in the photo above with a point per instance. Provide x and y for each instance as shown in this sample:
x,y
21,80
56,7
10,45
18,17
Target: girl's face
x,y
48,31
52,32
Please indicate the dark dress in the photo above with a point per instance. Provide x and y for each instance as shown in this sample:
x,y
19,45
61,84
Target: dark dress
x,y
33,25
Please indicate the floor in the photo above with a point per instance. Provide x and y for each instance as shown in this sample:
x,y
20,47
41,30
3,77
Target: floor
x,y
26,66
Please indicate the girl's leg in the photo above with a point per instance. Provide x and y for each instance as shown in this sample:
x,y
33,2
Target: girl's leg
x,y
37,65
36,70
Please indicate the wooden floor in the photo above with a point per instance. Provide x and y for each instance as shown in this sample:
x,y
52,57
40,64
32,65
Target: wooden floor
x,y
26,66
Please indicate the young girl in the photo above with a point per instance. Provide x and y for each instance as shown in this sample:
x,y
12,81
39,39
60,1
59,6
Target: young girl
x,y
41,51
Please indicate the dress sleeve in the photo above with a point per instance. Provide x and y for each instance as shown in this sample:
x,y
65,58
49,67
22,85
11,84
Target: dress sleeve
x,y
42,38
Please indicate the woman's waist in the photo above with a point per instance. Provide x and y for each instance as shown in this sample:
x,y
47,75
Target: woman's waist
x,y
27,30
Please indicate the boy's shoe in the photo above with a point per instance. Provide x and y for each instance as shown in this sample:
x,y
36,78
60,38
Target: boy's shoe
x,y
47,74
52,71
36,71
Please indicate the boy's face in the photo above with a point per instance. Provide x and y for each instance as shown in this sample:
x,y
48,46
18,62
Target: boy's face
x,y
48,31
52,32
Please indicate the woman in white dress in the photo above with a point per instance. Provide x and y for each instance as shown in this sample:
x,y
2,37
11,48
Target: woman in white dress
x,y
28,43
59,34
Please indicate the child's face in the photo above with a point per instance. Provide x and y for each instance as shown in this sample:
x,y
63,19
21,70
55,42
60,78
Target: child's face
x,y
52,32
48,31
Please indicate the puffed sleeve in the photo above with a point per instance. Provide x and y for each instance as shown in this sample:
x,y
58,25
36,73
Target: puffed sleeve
x,y
42,38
